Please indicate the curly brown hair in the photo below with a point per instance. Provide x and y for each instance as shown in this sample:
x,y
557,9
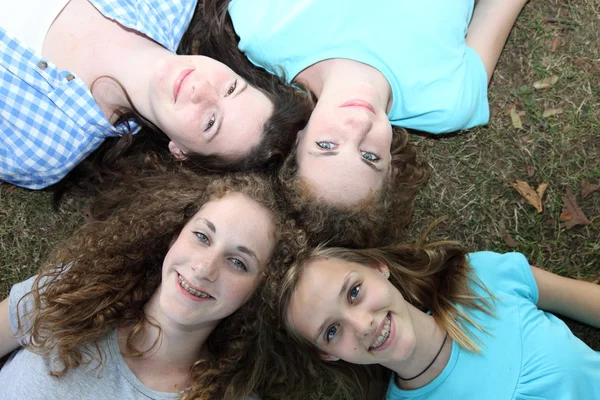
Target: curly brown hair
x,y
102,277
434,277
377,220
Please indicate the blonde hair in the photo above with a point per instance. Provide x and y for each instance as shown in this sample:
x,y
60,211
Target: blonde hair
x,y
433,277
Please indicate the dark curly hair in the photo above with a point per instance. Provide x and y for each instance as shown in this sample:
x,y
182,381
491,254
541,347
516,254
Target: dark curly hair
x,y
102,277
377,220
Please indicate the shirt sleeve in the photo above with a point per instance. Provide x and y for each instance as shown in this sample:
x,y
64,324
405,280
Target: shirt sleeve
x,y
20,309
508,273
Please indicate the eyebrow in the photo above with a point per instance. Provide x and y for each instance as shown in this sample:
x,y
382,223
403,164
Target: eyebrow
x,y
210,225
246,250
343,290
323,153
371,165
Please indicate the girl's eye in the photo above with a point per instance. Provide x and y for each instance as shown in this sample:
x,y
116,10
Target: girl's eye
x,y
211,122
231,89
353,293
331,333
238,264
326,145
370,156
202,237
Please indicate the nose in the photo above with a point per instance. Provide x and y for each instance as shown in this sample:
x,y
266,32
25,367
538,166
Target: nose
x,y
203,91
207,266
358,124
362,323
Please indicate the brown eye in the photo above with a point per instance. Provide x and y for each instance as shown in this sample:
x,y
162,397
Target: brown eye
x,y
232,88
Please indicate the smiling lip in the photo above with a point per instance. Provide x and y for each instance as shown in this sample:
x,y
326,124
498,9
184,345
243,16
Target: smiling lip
x,y
388,341
179,82
189,295
359,103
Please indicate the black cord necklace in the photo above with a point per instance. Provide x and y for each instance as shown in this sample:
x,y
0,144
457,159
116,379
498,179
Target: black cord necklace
x,y
430,364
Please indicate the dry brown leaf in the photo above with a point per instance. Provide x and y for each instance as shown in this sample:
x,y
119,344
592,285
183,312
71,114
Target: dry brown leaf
x,y
516,120
510,242
552,111
534,197
588,188
572,214
541,189
555,44
546,82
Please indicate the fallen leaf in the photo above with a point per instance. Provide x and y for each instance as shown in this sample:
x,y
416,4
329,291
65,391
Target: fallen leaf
x,y
555,44
530,170
510,242
534,197
541,190
546,82
516,120
552,111
588,188
572,214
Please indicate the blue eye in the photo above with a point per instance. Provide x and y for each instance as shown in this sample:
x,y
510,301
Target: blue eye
x,y
331,333
353,293
326,145
238,264
211,122
202,237
370,156
231,89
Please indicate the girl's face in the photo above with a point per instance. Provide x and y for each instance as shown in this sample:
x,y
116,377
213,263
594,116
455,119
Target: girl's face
x,y
344,151
352,312
216,262
206,108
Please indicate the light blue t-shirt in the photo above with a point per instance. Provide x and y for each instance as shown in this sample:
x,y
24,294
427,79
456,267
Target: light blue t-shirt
x,y
527,354
439,84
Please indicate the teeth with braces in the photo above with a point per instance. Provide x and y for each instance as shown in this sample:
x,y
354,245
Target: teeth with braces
x,y
385,333
191,290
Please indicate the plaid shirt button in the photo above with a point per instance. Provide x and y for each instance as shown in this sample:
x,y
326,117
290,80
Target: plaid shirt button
x,y
43,65
70,77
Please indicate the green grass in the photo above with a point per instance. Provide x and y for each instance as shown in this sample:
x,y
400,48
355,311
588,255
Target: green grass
x,y
472,172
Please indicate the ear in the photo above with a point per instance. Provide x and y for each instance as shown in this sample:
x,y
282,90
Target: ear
x,y
327,357
383,268
176,151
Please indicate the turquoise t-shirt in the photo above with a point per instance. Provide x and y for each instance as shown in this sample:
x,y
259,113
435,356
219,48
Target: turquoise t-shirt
x,y
439,84
528,354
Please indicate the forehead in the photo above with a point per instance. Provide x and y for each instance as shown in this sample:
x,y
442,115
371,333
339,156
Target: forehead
x,y
237,212
246,115
338,179
316,296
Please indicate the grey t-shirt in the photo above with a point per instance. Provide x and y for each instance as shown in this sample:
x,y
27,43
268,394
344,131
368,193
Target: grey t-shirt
x,y
26,375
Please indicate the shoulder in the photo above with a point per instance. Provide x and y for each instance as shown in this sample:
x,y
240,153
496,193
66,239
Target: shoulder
x,y
507,273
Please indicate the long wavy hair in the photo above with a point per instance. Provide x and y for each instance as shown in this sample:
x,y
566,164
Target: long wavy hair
x,y
433,277
102,277
377,220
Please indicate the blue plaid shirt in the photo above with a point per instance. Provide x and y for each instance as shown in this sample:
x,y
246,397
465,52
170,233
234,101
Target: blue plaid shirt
x,y
49,121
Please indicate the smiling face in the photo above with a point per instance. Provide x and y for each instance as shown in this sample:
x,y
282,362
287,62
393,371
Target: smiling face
x,y
353,312
344,151
206,108
214,265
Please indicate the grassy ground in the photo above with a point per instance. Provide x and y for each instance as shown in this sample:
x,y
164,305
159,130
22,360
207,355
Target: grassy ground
x,y
472,172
